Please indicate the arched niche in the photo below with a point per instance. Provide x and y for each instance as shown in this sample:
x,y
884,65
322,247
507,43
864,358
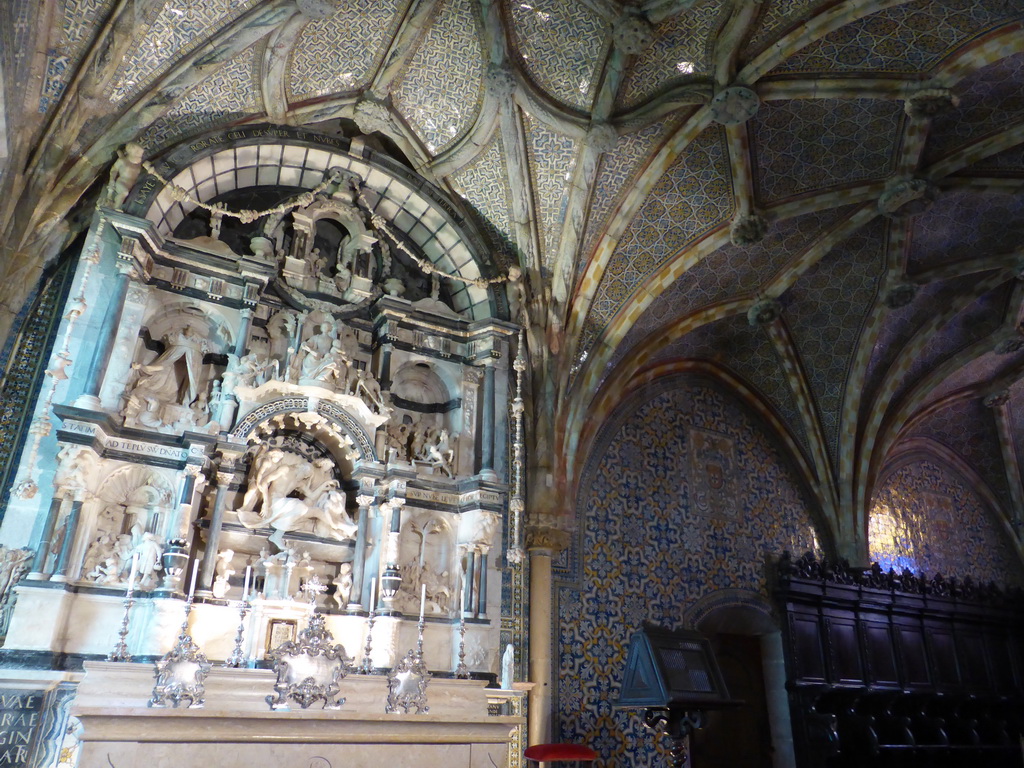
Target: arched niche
x,y
331,425
289,160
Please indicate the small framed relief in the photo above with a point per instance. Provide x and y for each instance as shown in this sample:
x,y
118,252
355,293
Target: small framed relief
x,y
279,632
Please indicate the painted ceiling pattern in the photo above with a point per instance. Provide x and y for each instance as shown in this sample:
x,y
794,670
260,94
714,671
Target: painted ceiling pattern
x,y
339,53
561,44
582,139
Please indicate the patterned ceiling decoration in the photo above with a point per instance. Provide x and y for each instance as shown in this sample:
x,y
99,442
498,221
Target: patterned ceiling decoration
x,y
441,89
908,38
803,145
1015,420
79,22
618,168
681,50
561,44
899,326
166,33
339,54
978,371
968,429
778,17
991,99
552,161
966,223
1011,159
733,272
16,47
691,198
826,311
973,324
750,354
484,185
226,96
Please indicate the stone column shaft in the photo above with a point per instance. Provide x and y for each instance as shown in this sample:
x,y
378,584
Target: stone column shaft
x,y
487,422
39,563
208,567
359,557
107,335
60,569
541,643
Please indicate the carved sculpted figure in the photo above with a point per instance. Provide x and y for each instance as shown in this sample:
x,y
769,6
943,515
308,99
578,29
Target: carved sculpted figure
x,y
124,174
343,585
170,380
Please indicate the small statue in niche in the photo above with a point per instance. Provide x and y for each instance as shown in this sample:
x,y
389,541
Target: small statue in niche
x,y
223,573
398,437
508,662
123,175
166,382
149,551
440,454
366,387
343,585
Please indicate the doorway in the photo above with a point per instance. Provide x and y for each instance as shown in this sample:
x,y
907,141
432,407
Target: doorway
x,y
738,737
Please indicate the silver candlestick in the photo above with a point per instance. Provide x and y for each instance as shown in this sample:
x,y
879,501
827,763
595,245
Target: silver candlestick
x,y
366,665
120,652
237,659
419,639
462,671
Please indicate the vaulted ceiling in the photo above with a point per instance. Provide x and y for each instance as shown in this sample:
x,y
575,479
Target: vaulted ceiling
x,y
819,200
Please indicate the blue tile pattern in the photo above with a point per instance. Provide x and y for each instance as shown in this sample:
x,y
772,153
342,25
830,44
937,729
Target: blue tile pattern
x,y
968,429
804,145
340,53
907,38
484,185
826,310
552,163
777,18
990,101
966,223
691,198
169,32
561,44
441,90
684,496
750,355
681,51
928,518
226,96
618,169
80,21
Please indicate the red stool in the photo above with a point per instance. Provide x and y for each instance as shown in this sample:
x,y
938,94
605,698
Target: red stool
x,y
554,753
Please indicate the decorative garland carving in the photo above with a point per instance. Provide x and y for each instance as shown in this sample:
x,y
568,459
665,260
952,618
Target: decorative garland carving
x,y
808,566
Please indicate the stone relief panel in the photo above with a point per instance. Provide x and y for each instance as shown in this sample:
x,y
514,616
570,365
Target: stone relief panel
x,y
658,532
926,517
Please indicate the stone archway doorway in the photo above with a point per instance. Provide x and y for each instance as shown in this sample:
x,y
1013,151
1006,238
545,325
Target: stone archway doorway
x,y
748,647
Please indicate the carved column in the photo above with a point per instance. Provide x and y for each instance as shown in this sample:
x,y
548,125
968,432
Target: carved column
x,y
487,425
481,593
107,336
207,569
39,563
243,332
60,568
543,543
359,558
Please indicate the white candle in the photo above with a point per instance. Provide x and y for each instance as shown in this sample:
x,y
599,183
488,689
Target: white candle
x,y
462,602
248,575
135,570
373,593
195,578
423,599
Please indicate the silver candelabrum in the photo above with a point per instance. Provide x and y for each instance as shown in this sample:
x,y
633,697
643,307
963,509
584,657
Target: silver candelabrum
x,y
120,652
462,671
238,659
366,665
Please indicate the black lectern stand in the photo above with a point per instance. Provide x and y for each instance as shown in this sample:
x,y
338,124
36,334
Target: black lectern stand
x,y
673,677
